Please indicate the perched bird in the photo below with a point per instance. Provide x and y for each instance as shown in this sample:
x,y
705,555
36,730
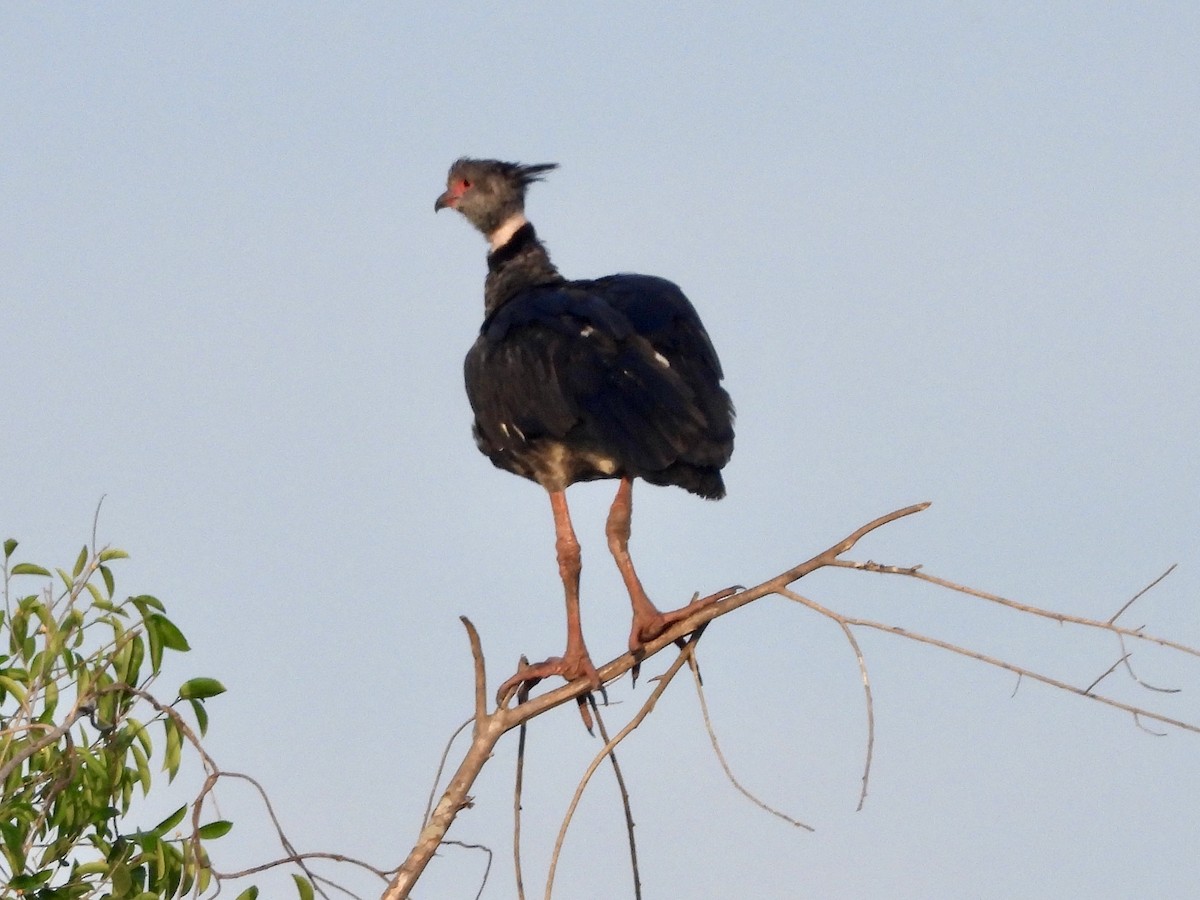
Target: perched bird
x,y
579,380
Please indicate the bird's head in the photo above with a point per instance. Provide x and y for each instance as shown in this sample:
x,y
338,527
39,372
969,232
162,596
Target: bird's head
x,y
491,194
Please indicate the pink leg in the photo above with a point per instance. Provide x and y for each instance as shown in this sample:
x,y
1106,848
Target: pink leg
x,y
575,661
648,622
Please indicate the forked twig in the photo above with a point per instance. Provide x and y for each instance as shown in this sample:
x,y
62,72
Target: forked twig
x,y
866,681
489,727
1022,671
1135,597
1109,626
639,717
437,776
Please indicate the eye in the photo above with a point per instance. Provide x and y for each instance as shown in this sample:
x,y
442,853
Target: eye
x,y
465,183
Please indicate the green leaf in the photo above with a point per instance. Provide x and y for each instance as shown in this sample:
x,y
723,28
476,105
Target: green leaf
x,y
162,634
172,636
170,821
99,600
250,893
29,882
214,830
201,716
147,840
144,603
50,699
143,767
80,561
200,688
137,653
122,882
138,730
9,546
174,749
29,569
108,580
304,886
13,687
113,553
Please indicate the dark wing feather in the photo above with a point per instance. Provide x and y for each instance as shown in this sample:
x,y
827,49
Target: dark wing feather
x,y
603,369
659,311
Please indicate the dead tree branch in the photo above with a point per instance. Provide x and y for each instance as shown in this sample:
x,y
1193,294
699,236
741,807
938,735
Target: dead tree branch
x,y
489,727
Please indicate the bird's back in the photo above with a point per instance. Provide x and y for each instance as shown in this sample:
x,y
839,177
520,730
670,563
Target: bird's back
x,y
578,380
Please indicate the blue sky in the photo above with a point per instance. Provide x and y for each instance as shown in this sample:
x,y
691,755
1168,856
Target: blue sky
x,y
946,252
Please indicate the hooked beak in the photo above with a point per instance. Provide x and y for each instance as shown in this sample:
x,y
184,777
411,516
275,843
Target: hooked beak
x,y
448,200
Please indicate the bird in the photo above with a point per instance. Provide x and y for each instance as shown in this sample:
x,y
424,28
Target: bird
x,y
578,380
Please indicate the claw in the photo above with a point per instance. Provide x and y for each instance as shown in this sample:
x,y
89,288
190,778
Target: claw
x,y
528,675
650,623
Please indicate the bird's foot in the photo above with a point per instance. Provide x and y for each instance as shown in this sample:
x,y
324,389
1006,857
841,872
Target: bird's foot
x,y
649,624
570,666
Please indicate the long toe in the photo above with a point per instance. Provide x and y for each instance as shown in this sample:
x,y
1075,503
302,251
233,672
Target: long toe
x,y
569,668
650,625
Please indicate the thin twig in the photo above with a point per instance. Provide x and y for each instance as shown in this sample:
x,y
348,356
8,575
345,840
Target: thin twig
x,y
625,805
1134,675
96,522
437,777
1020,670
1137,720
866,681
712,737
213,776
1107,672
519,785
487,870
490,727
914,572
288,860
1134,598
51,737
663,681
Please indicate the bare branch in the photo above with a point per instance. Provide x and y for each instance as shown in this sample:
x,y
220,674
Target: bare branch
x,y
1020,670
41,743
437,777
518,785
712,737
1107,672
480,673
866,680
490,727
1136,596
914,572
1134,676
663,681
487,870
633,859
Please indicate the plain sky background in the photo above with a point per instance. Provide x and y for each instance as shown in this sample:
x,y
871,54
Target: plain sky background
x,y
947,252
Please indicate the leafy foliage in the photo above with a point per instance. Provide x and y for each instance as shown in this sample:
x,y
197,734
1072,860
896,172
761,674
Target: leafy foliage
x,y
79,728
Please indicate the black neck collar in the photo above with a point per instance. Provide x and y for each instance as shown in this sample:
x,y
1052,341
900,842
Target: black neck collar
x,y
521,238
